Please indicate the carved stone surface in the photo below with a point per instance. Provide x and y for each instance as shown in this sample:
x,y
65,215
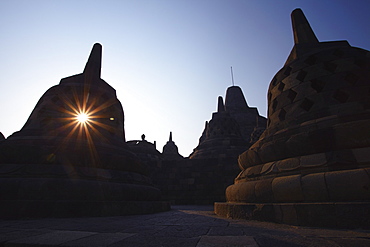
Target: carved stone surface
x,y
316,145
55,157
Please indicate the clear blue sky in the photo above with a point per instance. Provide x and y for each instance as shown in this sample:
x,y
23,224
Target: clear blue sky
x,y
168,60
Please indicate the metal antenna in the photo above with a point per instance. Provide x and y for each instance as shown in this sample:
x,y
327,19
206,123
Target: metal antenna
x,y
232,75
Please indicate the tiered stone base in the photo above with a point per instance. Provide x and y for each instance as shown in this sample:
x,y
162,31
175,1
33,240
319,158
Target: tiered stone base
x,y
330,214
39,190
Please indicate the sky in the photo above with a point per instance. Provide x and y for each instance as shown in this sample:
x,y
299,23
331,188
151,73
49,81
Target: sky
x,y
168,60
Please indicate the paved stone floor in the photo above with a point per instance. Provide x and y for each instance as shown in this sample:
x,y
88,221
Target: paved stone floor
x,y
182,226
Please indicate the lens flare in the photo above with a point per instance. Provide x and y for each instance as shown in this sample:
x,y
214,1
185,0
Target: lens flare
x,y
82,117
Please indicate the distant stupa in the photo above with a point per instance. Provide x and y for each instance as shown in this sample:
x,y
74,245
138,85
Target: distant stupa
x,y
229,132
170,150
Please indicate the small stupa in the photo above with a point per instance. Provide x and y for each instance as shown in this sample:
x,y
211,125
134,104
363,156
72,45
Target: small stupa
x,y
311,165
171,151
71,159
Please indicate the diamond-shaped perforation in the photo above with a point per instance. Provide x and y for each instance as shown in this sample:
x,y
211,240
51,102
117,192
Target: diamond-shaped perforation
x,y
274,104
291,95
287,71
351,78
330,66
306,104
338,53
301,75
317,85
311,60
282,115
281,86
269,96
274,81
341,96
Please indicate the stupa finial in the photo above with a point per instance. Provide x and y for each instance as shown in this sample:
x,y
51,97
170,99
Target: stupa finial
x,y
93,65
170,140
220,106
302,30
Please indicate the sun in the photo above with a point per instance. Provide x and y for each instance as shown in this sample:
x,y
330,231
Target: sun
x,y
82,117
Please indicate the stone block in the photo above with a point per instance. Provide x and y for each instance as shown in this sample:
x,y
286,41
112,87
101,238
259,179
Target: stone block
x,y
313,160
248,158
316,214
297,143
353,134
254,171
287,189
362,155
287,165
314,188
289,214
278,213
263,190
352,215
268,168
348,185
241,192
268,152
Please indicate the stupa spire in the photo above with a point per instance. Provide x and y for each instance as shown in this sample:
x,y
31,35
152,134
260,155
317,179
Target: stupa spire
x,y
93,65
220,107
170,140
302,30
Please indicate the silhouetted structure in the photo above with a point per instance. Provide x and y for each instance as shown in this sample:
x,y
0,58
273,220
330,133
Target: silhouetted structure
x,y
231,128
203,177
170,150
311,166
58,166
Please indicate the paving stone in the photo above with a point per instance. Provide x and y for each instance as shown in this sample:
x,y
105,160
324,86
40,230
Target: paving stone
x,y
226,231
154,241
225,241
99,240
350,242
51,239
13,234
201,227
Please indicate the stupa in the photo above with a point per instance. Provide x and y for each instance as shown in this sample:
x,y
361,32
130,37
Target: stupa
x,y
71,159
171,151
311,165
221,137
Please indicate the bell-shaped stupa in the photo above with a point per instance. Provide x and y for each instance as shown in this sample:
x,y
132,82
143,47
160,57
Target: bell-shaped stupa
x,y
71,159
171,151
311,166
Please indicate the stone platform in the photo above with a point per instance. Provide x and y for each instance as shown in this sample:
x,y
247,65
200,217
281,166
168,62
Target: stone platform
x,y
331,214
182,226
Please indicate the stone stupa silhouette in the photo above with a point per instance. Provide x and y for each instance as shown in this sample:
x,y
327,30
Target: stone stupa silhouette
x,y
57,165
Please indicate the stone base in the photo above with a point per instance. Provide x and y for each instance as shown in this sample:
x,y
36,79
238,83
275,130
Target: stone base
x,y
39,190
58,209
330,214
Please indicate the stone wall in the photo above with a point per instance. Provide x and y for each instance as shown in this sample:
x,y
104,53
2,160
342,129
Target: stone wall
x,y
200,181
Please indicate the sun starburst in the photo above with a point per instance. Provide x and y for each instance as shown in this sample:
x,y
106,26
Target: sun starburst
x,y
82,117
